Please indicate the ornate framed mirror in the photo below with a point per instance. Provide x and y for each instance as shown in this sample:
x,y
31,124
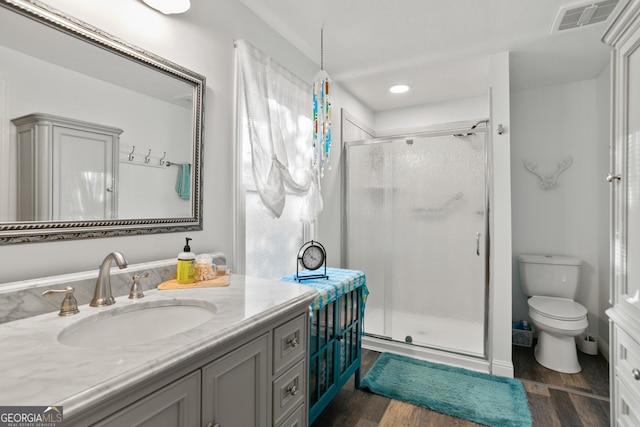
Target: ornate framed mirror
x,y
65,84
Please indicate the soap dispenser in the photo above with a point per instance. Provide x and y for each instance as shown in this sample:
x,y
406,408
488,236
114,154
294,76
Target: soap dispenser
x,y
186,264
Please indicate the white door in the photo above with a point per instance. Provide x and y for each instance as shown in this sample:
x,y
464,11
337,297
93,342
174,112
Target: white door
x,y
83,179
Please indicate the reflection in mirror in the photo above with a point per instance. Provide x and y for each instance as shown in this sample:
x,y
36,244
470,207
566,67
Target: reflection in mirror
x,y
97,137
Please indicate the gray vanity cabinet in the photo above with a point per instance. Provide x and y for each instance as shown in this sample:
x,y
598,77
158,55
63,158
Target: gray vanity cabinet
x,y
236,387
262,382
233,391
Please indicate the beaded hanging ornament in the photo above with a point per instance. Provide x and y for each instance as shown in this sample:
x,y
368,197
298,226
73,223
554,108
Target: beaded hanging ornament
x,y
321,115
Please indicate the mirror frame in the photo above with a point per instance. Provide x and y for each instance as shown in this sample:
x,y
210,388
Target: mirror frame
x,y
45,231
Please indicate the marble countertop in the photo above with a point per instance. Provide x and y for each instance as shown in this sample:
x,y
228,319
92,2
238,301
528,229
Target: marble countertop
x,y
35,369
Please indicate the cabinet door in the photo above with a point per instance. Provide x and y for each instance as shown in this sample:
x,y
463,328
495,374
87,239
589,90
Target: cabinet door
x,y
235,388
83,181
176,405
626,190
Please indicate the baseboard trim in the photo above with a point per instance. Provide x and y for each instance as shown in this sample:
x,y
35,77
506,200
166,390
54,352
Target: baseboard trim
x,y
502,368
603,348
423,353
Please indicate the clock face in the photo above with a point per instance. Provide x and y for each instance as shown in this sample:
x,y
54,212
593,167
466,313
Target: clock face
x,y
312,257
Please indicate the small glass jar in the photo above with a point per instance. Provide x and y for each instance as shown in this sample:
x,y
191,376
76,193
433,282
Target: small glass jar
x,y
205,270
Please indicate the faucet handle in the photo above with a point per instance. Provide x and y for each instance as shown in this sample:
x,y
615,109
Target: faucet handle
x,y
69,305
136,289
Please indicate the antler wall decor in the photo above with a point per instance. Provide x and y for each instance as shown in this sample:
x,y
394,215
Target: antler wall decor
x,y
549,182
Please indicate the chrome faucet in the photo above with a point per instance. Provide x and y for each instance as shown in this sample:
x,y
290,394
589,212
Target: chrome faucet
x,y
102,296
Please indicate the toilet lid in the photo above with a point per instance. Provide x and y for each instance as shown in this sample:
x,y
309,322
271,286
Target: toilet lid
x,y
557,308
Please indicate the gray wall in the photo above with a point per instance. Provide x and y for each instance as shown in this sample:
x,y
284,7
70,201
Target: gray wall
x,y
548,124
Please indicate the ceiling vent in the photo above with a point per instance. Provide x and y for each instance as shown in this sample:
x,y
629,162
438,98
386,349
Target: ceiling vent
x,y
576,16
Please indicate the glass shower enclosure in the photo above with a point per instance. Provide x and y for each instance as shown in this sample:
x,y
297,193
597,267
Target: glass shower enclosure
x,y
416,224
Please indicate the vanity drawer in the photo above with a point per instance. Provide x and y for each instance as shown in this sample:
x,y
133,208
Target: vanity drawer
x,y
289,344
297,419
289,392
627,363
627,406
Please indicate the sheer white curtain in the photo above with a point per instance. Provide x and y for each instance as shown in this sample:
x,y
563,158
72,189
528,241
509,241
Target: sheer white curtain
x,y
277,107
277,196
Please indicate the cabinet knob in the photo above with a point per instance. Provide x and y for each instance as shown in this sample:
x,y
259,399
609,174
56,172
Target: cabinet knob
x,y
636,374
293,342
293,390
611,177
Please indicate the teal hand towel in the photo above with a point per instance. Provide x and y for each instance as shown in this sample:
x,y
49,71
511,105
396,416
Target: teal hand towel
x,y
183,187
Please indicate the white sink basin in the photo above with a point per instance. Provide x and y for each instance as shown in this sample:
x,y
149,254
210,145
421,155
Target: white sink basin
x,y
137,323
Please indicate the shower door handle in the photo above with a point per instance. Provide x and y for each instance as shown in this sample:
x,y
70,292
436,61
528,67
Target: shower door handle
x,y
478,243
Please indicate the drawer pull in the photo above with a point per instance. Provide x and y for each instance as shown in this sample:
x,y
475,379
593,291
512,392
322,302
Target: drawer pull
x,y
293,390
636,374
213,425
292,342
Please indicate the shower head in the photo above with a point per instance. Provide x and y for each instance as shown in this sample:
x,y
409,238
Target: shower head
x,y
485,121
472,127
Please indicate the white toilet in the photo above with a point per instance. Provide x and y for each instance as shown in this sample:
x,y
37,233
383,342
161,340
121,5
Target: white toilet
x,y
552,283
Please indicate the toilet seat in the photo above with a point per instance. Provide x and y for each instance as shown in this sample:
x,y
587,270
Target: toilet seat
x,y
559,321
557,308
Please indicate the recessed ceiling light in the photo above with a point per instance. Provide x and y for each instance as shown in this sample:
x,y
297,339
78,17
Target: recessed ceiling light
x,y
169,6
399,88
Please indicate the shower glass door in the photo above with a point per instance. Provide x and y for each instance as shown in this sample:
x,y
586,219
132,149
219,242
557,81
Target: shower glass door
x,y
416,225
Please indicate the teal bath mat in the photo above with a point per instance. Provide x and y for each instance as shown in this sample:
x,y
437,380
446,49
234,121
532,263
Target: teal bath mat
x,y
474,396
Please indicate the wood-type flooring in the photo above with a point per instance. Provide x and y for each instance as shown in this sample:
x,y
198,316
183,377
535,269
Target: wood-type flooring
x,y
555,399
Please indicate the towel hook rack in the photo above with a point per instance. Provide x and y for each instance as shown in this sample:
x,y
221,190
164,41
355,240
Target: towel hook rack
x,y
161,161
146,158
130,156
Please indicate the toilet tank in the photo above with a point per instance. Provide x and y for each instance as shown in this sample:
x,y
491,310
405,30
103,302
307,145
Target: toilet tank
x,y
549,275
